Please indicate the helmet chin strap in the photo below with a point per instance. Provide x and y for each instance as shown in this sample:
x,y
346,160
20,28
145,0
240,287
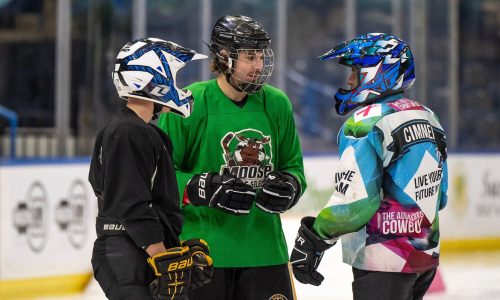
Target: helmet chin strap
x,y
234,85
229,64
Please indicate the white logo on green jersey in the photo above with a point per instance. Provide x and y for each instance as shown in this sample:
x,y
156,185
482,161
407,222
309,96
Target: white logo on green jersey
x,y
247,154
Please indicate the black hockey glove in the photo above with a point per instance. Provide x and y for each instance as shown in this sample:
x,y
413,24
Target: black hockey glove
x,y
280,191
225,192
307,253
173,269
203,268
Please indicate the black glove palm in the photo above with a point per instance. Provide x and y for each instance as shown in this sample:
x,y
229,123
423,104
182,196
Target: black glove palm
x,y
173,269
225,192
203,268
307,253
280,191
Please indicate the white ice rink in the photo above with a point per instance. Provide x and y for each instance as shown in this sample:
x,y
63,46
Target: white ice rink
x,y
474,276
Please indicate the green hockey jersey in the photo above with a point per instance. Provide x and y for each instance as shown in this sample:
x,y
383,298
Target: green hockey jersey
x,y
249,142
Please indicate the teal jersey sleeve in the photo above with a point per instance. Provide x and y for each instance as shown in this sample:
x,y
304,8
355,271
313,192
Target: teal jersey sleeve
x,y
358,181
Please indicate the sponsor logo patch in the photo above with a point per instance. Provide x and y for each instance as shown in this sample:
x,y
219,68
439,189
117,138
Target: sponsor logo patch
x,y
406,104
247,155
370,111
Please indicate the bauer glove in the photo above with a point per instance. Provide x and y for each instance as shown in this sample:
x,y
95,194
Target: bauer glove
x,y
280,191
225,192
307,253
203,268
172,269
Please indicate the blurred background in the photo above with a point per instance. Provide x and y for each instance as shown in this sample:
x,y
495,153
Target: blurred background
x,y
56,58
56,92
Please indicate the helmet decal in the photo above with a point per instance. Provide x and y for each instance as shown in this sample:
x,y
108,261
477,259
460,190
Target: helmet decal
x,y
384,64
146,69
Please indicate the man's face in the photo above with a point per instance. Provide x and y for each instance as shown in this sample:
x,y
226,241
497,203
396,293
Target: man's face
x,y
249,65
249,69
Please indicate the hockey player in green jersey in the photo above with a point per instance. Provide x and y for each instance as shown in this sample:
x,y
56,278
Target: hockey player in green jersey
x,y
239,165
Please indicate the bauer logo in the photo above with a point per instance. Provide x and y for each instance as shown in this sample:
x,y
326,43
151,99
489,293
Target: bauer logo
x,y
30,217
113,227
71,214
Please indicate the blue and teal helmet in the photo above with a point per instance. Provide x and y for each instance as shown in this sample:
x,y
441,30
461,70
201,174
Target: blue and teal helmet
x,y
384,65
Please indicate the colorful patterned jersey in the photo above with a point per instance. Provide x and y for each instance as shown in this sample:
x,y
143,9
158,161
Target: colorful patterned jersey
x,y
391,182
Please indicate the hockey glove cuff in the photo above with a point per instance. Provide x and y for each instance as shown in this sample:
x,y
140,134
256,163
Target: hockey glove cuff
x,y
203,268
225,192
307,253
280,191
172,269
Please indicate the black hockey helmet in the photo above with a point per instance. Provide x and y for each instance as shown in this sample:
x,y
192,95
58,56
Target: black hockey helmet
x,y
238,32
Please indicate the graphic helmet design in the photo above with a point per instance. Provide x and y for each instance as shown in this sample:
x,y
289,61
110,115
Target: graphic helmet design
x,y
384,65
236,34
146,69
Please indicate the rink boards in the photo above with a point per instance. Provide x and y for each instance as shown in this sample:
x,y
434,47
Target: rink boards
x,y
47,211
473,211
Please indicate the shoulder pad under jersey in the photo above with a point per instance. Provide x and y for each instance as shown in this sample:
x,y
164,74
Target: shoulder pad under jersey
x,y
361,122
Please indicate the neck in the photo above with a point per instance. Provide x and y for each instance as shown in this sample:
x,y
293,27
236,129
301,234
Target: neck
x,y
143,108
229,90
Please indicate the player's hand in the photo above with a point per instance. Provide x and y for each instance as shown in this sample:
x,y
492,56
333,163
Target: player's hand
x,y
280,191
203,268
225,192
173,271
307,253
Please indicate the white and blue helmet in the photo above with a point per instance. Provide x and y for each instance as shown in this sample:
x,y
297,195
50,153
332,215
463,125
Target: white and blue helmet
x,y
146,69
384,63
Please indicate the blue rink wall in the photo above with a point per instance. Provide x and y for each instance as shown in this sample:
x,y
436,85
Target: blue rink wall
x,y
47,211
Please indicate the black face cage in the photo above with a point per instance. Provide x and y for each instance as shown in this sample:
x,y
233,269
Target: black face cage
x,y
260,76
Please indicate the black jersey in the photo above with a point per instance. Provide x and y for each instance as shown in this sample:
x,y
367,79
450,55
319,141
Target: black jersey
x,y
133,176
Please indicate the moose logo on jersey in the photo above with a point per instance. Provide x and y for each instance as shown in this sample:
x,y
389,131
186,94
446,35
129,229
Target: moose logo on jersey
x,y
247,154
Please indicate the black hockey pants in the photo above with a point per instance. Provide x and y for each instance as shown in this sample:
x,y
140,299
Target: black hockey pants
x,y
369,285
121,268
